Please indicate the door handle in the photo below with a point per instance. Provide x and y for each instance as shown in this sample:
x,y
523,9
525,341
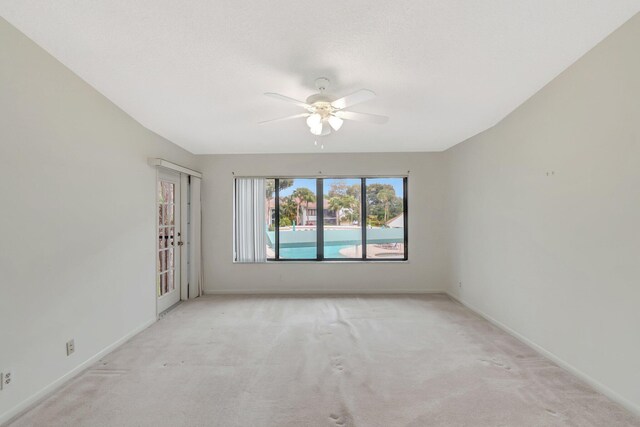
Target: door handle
x,y
180,243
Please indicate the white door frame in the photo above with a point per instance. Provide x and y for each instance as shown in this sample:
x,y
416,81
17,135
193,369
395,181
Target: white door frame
x,y
169,283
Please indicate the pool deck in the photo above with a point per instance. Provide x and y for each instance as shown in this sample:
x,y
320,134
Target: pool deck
x,y
373,251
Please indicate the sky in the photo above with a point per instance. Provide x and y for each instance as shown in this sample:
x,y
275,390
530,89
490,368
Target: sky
x,y
310,183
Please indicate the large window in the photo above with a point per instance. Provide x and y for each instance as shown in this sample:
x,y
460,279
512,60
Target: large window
x,y
336,219
385,201
297,231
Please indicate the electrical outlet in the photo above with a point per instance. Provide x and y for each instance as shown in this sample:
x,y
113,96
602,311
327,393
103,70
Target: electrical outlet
x,y
71,347
6,378
459,284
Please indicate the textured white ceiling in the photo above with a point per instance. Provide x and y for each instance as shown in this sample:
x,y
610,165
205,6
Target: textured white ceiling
x,y
195,71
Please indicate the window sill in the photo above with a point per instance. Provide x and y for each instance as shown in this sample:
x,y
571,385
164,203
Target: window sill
x,y
350,262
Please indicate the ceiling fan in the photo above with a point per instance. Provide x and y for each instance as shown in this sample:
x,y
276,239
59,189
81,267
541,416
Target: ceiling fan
x,y
325,112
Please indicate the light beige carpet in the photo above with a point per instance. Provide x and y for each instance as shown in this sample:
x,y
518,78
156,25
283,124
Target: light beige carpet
x,y
325,361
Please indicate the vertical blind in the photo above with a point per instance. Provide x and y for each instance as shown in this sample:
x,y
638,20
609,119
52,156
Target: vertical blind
x,y
249,227
196,279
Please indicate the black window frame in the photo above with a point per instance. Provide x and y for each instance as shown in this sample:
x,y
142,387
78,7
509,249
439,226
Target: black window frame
x,y
320,221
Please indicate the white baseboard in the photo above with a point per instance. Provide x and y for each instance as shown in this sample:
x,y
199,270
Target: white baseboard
x,y
321,291
30,402
598,386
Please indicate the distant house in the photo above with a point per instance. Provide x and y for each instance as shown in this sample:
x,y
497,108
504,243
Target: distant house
x,y
396,222
309,214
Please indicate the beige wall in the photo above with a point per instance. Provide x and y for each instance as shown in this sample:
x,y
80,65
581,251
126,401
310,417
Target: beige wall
x,y
423,272
78,220
544,216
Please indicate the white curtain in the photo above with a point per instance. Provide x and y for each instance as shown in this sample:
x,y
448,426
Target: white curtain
x,y
185,227
196,282
250,228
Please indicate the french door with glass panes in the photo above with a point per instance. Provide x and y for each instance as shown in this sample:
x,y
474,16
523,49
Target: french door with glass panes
x,y
169,240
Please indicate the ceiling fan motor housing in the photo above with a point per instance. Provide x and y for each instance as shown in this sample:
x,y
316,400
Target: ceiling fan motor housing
x,y
321,104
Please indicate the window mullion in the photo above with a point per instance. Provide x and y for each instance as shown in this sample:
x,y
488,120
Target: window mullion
x,y
319,219
277,218
363,215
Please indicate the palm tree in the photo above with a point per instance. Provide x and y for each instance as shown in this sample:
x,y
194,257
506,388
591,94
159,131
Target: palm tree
x,y
270,189
303,194
354,191
336,205
350,202
385,197
288,209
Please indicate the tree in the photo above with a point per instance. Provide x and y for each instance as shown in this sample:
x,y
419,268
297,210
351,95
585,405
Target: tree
x,y
270,189
354,191
382,203
303,195
339,203
350,203
373,220
288,209
374,189
347,197
337,188
335,204
386,196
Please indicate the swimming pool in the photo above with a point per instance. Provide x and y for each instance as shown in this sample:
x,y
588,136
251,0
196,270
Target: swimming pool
x,y
309,252
301,244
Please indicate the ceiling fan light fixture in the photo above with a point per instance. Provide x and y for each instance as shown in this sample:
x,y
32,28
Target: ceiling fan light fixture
x,y
335,122
317,129
326,129
314,120
321,129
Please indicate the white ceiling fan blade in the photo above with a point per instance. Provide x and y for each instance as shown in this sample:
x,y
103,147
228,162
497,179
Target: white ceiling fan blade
x,y
362,117
362,95
285,118
286,98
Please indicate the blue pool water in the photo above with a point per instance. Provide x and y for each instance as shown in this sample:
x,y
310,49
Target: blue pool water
x,y
309,252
